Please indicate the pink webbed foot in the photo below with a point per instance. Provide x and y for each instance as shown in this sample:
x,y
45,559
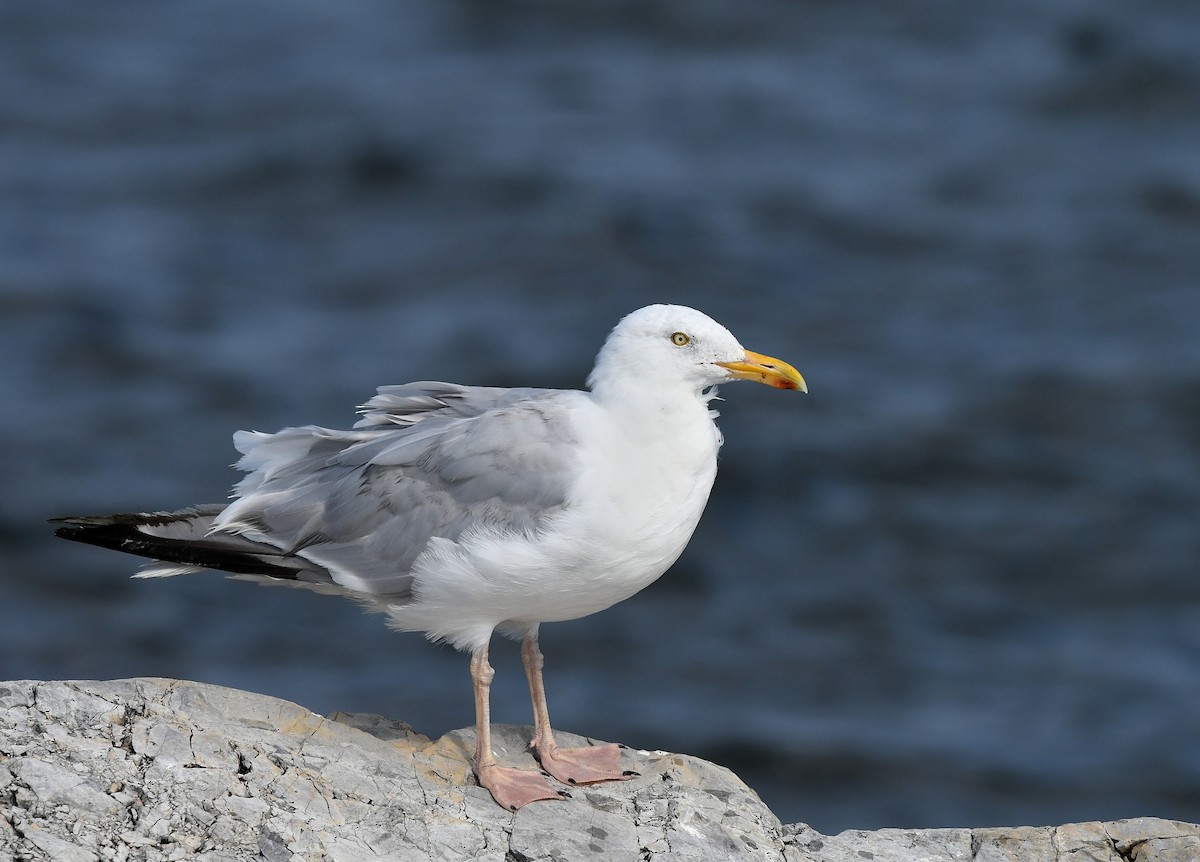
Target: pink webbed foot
x,y
513,788
583,765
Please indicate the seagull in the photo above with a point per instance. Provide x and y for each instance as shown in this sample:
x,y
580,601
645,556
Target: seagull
x,y
461,511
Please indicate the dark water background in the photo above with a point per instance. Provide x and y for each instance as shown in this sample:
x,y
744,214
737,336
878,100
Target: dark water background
x,y
956,585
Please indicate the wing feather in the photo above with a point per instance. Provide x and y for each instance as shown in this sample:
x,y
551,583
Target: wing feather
x,y
429,460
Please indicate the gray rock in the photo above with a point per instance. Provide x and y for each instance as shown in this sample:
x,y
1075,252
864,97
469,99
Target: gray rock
x,y
150,769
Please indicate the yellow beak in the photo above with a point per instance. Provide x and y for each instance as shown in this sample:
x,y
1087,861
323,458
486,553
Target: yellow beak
x,y
768,370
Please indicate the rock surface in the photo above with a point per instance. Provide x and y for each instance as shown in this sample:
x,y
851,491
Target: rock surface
x,y
150,769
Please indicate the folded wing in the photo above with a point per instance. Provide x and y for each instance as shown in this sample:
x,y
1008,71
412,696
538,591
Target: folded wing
x,y
427,461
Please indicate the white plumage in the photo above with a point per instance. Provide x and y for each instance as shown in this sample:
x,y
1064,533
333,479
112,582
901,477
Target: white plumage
x,y
459,511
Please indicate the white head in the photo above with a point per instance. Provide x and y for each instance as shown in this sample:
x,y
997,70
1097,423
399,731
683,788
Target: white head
x,y
674,346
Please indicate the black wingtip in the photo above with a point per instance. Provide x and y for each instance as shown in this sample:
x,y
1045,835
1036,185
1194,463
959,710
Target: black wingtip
x,y
121,533
140,519
77,520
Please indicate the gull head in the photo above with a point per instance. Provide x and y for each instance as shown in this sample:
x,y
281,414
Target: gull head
x,y
677,346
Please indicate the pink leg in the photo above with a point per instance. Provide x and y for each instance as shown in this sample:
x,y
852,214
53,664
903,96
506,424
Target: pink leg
x,y
511,788
569,765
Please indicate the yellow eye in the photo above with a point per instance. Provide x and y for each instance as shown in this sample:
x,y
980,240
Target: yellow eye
x,y
680,339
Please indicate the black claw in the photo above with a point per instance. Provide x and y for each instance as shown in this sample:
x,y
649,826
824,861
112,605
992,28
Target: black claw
x,y
571,781
563,794
632,773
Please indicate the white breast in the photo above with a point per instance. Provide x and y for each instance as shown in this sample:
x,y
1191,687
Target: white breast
x,y
639,497
641,491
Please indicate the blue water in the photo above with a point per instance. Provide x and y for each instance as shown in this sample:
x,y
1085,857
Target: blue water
x,y
956,585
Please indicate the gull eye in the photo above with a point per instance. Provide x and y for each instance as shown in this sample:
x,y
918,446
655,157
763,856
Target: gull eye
x,y
680,339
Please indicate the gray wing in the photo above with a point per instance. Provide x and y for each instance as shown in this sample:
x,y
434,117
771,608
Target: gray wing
x,y
410,403
428,460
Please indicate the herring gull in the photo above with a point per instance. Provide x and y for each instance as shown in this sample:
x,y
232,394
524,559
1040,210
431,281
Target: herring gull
x,y
458,511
